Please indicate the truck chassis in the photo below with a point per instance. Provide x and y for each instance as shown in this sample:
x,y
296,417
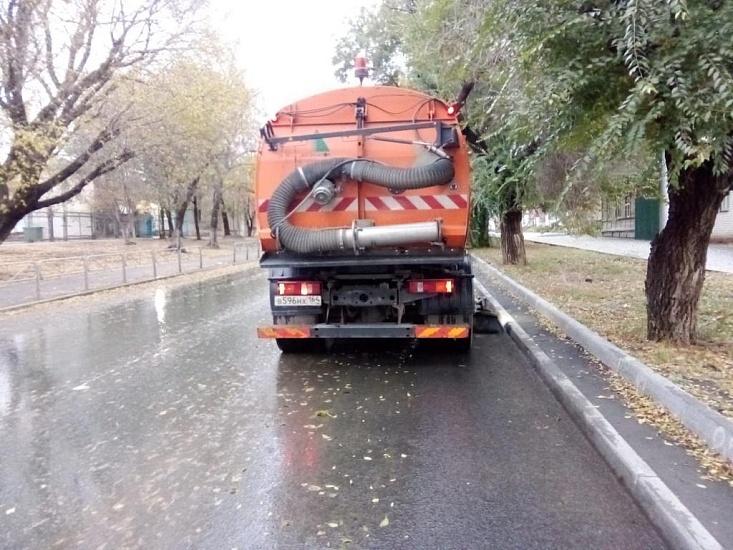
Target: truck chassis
x,y
407,295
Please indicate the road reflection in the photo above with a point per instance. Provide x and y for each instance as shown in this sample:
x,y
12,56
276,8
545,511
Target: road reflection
x,y
159,301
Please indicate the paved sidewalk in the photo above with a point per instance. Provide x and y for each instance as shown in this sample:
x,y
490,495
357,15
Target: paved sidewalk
x,y
720,256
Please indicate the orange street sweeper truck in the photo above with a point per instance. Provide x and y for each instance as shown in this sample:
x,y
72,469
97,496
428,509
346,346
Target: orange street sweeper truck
x,y
363,201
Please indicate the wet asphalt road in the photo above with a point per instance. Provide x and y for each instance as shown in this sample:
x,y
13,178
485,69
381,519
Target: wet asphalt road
x,y
161,422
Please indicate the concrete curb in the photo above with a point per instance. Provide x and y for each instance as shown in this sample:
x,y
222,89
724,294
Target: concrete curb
x,y
677,525
712,427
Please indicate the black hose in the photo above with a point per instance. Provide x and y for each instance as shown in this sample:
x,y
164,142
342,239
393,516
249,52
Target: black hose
x,y
439,172
306,241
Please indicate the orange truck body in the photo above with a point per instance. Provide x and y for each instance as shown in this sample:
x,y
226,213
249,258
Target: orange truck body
x,y
368,284
332,112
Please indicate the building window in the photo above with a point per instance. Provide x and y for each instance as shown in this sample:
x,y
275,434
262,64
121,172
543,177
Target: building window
x,y
627,207
725,205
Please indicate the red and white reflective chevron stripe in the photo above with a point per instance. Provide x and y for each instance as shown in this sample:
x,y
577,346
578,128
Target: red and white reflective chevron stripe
x,y
340,204
441,331
391,202
416,202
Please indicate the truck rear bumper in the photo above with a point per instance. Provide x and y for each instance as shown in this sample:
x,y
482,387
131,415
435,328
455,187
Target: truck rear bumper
x,y
377,330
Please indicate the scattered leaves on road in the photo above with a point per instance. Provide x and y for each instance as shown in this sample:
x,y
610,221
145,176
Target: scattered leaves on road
x,y
648,411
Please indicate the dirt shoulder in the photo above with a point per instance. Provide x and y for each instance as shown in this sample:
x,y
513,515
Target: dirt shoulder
x,y
606,293
58,258
38,251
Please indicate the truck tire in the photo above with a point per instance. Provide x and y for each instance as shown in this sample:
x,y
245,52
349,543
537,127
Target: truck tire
x,y
300,345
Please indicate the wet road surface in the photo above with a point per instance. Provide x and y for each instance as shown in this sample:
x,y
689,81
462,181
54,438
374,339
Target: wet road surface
x,y
162,422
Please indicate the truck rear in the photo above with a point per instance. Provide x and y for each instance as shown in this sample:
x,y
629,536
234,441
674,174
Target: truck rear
x,y
363,200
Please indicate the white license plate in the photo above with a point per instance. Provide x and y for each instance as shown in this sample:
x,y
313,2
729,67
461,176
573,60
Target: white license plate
x,y
297,300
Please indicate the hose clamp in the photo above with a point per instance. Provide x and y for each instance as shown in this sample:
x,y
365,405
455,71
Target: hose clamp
x,y
341,243
351,172
354,231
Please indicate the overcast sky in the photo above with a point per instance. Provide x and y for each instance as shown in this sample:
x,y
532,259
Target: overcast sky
x,y
286,46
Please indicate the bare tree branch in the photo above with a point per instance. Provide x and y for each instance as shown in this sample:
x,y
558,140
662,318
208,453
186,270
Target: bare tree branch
x,y
101,169
104,137
92,22
16,36
50,64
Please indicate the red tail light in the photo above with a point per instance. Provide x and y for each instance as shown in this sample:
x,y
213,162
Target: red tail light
x,y
432,286
298,288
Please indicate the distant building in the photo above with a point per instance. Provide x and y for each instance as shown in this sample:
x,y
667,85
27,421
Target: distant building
x,y
638,218
537,218
70,220
723,230
76,219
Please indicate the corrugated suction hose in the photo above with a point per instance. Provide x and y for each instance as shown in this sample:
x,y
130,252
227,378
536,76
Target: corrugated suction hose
x,y
304,241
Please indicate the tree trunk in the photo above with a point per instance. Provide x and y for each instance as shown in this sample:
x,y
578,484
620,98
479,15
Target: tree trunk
x,y
65,223
8,221
181,213
123,224
129,229
676,269
214,225
49,220
161,224
512,239
119,229
225,219
130,217
249,215
196,217
169,217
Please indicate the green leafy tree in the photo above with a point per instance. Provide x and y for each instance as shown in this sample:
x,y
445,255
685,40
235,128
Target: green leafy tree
x,y
443,51
377,33
639,74
610,78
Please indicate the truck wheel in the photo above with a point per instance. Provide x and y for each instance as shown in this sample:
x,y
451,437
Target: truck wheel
x,y
299,345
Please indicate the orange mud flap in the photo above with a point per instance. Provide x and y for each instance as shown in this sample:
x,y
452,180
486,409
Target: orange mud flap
x,y
377,330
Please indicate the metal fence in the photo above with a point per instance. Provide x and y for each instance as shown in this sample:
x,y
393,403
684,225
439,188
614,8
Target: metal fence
x,y
26,282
